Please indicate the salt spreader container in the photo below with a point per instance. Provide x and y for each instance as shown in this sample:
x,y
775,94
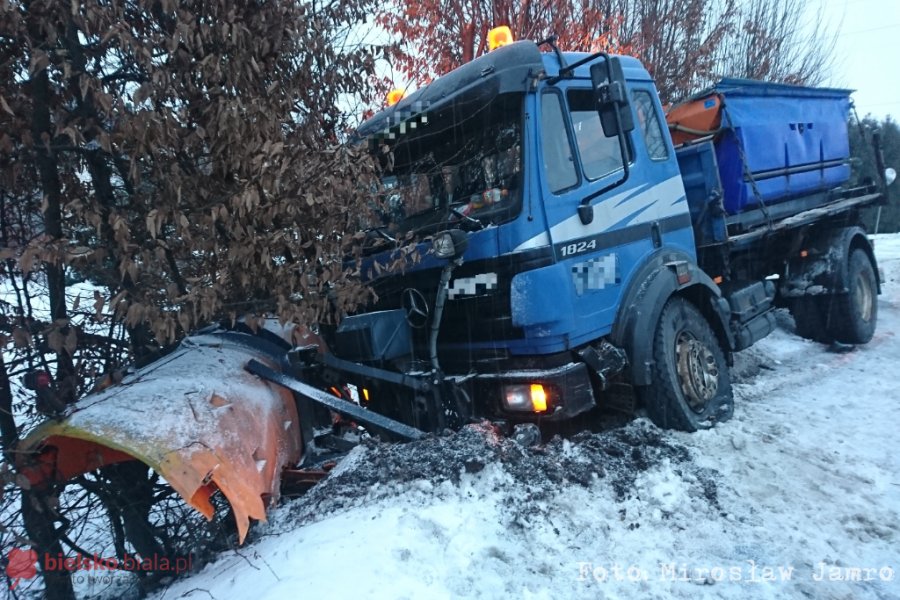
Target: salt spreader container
x,y
787,140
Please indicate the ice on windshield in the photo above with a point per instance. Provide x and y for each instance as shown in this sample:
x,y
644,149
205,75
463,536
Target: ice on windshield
x,y
464,157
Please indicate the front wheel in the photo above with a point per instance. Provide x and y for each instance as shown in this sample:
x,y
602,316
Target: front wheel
x,y
691,386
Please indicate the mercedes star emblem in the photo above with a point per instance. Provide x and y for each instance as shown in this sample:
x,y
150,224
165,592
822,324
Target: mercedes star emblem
x,y
416,308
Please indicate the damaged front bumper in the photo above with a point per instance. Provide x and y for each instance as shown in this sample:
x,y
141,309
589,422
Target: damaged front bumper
x,y
542,395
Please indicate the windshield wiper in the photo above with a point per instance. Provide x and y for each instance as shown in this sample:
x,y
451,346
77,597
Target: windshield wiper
x,y
380,232
466,218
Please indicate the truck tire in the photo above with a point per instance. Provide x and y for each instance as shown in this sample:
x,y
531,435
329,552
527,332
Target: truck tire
x,y
852,316
691,387
809,318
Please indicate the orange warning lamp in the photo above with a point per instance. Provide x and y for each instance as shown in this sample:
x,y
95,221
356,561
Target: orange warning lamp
x,y
538,398
499,36
395,96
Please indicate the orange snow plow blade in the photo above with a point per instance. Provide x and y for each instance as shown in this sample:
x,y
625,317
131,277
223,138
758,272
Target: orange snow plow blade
x,y
196,417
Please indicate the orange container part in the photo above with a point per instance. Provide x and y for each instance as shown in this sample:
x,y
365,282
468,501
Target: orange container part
x,y
695,119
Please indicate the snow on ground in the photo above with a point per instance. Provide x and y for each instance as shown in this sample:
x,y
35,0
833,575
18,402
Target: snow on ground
x,y
797,496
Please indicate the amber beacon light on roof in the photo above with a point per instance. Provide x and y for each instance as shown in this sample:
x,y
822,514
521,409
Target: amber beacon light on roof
x,y
395,96
499,36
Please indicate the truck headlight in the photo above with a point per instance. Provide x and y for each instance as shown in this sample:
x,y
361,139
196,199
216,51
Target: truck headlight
x,y
525,397
450,244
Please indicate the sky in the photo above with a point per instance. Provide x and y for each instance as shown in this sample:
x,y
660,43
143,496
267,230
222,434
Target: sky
x,y
867,52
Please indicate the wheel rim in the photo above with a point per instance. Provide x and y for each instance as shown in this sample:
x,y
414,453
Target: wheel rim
x,y
697,370
862,293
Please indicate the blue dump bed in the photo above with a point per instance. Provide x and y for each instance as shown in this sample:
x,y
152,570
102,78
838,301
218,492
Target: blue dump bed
x,y
789,140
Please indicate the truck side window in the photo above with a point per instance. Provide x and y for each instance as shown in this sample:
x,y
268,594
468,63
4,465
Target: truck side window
x,y
600,155
557,151
650,125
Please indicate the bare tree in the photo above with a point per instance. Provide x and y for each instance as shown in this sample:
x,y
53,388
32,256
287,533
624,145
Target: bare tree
x,y
772,41
686,44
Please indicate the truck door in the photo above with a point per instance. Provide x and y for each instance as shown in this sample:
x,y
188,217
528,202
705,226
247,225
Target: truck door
x,y
577,161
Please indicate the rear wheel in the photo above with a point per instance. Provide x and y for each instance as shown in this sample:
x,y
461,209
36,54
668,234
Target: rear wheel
x,y
853,315
691,387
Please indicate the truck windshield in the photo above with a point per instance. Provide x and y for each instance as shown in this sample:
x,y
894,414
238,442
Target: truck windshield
x,y
464,159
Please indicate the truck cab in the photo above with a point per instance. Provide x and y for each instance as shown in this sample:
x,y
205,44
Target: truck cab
x,y
549,243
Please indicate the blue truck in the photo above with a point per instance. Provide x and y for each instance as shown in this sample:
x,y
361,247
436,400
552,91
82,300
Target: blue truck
x,y
570,256
566,248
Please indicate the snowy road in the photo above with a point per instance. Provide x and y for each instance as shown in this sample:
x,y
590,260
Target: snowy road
x,y
798,496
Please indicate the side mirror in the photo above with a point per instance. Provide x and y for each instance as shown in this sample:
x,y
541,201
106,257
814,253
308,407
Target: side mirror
x,y
608,81
611,94
450,244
